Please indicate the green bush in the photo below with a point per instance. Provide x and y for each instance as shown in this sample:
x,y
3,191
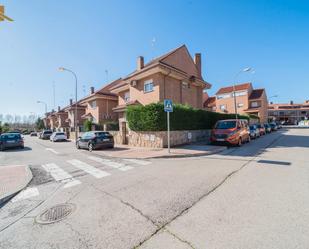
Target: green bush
x,y
87,125
153,118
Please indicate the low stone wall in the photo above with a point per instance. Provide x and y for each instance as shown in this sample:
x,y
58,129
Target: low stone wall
x,y
158,139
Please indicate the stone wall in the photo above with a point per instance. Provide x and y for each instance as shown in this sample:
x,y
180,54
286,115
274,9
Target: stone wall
x,y
158,139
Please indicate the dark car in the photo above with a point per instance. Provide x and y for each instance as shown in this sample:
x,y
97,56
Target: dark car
x,y
262,129
93,140
267,128
46,134
11,140
273,126
254,131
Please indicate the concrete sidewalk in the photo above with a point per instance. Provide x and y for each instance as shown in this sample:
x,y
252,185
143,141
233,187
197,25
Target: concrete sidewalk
x,y
12,180
123,151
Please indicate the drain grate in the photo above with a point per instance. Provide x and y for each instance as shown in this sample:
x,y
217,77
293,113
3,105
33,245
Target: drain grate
x,y
55,213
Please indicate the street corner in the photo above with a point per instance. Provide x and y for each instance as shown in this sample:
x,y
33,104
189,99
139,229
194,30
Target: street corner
x,y
13,179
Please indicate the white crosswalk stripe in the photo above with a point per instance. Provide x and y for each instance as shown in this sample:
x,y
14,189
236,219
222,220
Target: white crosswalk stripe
x,y
26,193
88,168
115,165
137,161
60,175
52,150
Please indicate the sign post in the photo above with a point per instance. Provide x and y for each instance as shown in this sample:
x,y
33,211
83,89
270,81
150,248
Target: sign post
x,y
168,107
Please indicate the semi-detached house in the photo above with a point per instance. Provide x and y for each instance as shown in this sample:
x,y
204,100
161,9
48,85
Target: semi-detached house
x,y
175,75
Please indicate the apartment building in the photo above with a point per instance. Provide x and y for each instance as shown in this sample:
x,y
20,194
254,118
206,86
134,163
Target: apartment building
x,y
175,75
290,113
248,101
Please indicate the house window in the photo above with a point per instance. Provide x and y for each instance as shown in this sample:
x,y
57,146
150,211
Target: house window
x,y
223,96
242,93
185,85
127,97
254,104
148,86
93,104
222,107
239,105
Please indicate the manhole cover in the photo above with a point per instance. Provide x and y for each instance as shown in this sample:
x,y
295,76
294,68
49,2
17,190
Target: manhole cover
x,y
55,213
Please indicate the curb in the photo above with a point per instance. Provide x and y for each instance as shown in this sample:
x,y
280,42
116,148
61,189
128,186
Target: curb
x,y
220,149
26,181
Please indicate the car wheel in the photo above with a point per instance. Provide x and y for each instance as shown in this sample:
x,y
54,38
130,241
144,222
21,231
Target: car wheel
x,y
1,148
90,147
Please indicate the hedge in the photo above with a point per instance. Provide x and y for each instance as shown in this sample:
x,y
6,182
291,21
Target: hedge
x,y
153,118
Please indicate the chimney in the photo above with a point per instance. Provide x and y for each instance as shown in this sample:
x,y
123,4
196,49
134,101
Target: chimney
x,y
291,102
91,90
198,63
71,101
140,63
58,108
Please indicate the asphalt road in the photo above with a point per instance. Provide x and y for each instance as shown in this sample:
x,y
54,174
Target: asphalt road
x,y
248,197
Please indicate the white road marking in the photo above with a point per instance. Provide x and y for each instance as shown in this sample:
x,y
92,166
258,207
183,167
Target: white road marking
x,y
88,168
115,165
52,150
137,161
60,175
25,194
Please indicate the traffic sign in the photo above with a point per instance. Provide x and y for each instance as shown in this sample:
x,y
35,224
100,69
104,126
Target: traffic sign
x,y
168,105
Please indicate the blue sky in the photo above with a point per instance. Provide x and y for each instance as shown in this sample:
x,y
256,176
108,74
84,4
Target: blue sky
x,y
91,37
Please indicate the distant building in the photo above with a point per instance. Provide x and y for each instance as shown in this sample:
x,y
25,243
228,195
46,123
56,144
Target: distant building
x,y
289,113
248,101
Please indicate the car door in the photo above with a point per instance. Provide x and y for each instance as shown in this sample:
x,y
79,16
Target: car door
x,y
84,140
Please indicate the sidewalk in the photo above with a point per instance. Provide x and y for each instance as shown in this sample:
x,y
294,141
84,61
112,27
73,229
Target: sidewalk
x,y
123,151
12,180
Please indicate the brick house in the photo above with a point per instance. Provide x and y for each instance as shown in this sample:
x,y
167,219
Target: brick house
x,y
248,101
52,120
61,122
70,110
99,104
174,75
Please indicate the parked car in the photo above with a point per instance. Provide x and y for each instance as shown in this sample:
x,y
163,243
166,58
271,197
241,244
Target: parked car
x,y
254,131
267,128
232,131
11,140
33,134
279,125
273,126
46,134
93,140
262,129
58,136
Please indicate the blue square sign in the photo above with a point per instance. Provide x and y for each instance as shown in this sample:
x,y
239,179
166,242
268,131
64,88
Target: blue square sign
x,y
168,105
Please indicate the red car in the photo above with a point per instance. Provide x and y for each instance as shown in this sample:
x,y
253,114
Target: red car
x,y
231,131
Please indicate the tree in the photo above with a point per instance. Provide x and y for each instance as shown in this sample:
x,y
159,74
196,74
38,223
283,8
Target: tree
x,y
87,125
39,124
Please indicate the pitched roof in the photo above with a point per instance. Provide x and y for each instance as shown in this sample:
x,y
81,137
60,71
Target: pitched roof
x,y
256,93
229,89
210,102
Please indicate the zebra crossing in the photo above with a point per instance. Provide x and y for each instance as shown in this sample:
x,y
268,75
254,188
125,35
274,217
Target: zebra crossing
x,y
93,166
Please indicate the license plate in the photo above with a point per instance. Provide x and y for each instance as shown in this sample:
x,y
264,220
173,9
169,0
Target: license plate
x,y
106,139
220,139
11,141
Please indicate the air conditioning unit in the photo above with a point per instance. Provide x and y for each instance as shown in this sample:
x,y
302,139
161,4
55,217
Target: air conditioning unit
x,y
134,83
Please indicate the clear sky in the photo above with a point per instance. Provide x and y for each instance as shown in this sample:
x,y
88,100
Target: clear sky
x,y
93,36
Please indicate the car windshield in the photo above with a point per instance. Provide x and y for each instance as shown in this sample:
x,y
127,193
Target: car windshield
x,y
226,125
48,132
102,134
11,136
59,133
252,127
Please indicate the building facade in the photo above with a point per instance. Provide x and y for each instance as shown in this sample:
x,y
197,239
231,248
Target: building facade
x,y
290,113
248,101
175,75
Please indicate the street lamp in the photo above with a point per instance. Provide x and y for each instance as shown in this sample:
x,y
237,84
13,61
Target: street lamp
x,y
247,69
62,69
42,102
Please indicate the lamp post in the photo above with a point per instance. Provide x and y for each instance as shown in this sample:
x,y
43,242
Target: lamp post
x,y
42,102
75,115
247,69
